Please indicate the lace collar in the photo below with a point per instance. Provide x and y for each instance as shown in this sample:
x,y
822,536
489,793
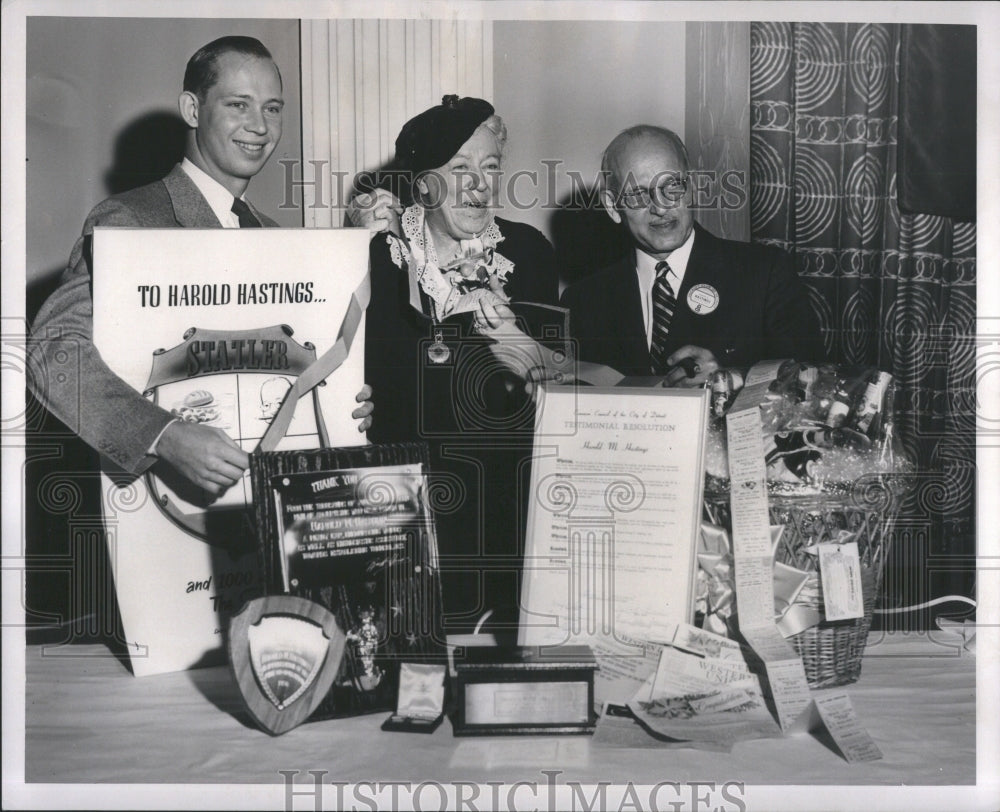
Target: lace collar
x,y
418,256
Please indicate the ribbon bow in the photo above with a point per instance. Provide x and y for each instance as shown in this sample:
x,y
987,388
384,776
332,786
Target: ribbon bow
x,y
798,599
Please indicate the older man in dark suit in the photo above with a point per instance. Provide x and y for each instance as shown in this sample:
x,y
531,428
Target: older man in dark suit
x,y
685,302
232,104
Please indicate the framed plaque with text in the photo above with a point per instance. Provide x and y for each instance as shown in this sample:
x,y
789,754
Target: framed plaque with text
x,y
613,521
504,691
351,530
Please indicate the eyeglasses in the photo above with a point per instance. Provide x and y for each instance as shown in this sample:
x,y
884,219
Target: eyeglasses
x,y
667,192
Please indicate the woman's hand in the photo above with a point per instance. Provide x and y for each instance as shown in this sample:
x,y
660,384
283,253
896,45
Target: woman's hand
x,y
363,414
493,313
377,211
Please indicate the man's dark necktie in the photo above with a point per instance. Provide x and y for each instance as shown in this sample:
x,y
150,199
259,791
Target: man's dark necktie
x,y
246,217
664,302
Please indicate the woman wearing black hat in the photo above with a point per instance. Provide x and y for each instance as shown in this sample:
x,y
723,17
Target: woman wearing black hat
x,y
435,289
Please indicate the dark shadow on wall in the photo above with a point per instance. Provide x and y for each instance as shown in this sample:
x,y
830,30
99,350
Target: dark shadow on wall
x,y
146,150
584,237
40,289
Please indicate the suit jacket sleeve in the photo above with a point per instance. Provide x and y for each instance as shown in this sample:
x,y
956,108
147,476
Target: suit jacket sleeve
x,y
67,373
791,328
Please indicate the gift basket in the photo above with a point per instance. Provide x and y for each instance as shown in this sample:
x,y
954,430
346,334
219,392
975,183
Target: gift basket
x,y
836,474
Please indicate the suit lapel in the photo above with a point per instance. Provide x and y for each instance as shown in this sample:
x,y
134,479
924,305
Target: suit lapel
x,y
265,221
628,310
191,210
700,270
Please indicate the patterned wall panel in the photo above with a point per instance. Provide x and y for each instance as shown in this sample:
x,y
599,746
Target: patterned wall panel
x,y
890,289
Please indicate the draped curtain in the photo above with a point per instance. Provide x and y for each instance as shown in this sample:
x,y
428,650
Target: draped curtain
x,y
892,290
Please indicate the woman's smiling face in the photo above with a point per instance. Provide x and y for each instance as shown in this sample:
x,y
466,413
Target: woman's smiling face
x,y
459,195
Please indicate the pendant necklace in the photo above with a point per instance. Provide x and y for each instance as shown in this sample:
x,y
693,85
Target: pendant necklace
x,y
438,352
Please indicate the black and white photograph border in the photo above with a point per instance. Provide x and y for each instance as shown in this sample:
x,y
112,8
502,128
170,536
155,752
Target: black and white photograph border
x,y
32,253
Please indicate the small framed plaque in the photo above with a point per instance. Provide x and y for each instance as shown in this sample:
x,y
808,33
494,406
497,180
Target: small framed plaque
x,y
525,690
420,706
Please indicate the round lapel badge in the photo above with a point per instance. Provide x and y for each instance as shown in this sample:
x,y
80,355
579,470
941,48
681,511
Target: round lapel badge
x,y
703,299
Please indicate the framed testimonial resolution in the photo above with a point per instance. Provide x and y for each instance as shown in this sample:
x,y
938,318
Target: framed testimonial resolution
x,y
215,326
613,521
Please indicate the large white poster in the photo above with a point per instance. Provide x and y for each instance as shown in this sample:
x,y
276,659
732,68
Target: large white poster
x,y
214,325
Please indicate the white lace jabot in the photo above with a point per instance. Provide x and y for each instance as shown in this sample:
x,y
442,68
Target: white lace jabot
x,y
419,257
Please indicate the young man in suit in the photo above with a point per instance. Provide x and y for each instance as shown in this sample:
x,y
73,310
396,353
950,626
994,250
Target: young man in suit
x,y
685,302
232,104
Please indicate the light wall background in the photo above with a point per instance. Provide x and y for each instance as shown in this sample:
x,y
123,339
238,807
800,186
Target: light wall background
x,y
363,79
566,88
88,81
717,124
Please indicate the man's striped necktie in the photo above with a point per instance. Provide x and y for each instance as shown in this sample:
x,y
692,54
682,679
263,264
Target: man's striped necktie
x,y
664,302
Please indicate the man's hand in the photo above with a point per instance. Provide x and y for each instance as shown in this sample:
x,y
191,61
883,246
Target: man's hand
x,y
203,454
377,211
690,366
364,411
539,375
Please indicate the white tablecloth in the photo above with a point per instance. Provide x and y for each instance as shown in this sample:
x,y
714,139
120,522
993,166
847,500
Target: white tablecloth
x,y
89,721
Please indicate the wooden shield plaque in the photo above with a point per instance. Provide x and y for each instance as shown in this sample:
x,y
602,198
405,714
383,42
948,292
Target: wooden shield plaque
x,y
285,652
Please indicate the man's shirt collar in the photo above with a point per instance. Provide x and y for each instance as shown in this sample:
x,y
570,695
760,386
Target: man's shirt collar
x,y
645,265
218,197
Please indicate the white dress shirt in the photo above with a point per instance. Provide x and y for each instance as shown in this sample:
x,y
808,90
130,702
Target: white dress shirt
x,y
219,198
645,269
